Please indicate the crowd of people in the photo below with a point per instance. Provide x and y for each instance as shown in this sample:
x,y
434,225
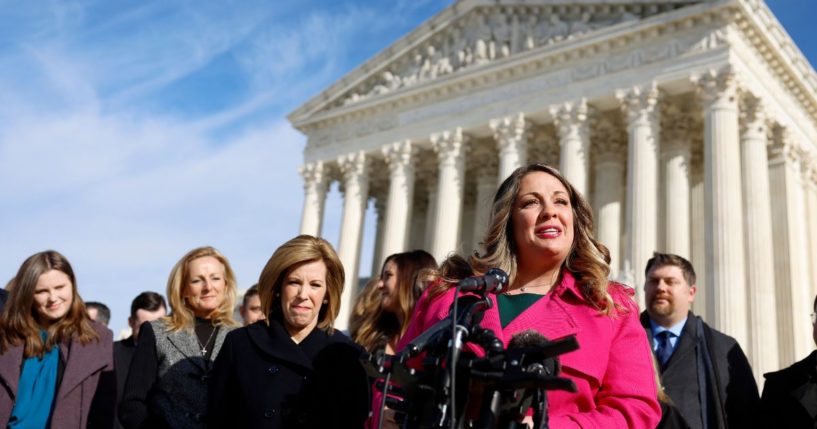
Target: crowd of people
x,y
190,364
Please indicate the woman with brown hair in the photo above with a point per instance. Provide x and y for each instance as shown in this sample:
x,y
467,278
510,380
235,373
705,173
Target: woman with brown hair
x,y
167,379
541,235
402,281
56,364
294,370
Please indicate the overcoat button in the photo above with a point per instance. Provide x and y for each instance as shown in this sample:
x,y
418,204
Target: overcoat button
x,y
272,369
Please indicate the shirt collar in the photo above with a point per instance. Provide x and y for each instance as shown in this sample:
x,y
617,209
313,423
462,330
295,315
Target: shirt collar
x,y
675,329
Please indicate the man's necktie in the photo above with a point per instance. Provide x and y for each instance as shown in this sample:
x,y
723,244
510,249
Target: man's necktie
x,y
664,350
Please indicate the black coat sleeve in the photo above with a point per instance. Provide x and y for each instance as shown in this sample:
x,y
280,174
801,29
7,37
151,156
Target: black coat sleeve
x,y
134,408
742,399
223,392
349,400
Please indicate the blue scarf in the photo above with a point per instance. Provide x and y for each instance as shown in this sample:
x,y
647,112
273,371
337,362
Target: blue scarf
x,y
36,389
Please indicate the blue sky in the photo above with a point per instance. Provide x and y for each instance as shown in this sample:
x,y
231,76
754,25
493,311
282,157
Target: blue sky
x,y
133,131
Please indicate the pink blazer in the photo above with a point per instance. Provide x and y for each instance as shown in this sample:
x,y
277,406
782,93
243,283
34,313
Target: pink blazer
x,y
612,368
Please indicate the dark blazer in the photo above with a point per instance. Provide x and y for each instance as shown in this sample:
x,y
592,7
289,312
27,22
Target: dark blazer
x,y
730,392
263,379
790,396
122,355
86,391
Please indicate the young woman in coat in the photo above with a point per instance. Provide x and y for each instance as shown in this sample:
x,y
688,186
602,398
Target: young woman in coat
x,y
168,375
541,235
56,364
294,370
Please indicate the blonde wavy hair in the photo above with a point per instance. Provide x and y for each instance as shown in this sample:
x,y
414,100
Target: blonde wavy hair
x,y
182,316
292,254
588,259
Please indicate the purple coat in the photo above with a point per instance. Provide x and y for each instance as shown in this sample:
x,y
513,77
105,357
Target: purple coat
x,y
84,366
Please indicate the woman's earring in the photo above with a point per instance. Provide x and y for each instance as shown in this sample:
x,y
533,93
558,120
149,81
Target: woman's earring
x,y
326,301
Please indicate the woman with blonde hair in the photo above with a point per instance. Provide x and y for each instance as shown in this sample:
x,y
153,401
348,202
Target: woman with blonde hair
x,y
294,370
167,379
541,234
56,364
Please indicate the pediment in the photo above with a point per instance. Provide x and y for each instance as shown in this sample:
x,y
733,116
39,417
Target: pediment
x,y
471,33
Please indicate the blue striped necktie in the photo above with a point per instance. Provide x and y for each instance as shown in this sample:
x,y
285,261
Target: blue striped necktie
x,y
664,350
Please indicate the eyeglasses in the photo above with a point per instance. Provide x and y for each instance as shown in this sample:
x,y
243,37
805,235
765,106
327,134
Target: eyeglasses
x,y
814,318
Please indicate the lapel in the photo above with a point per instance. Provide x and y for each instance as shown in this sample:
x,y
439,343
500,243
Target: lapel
x,y
806,393
548,315
185,342
687,342
220,336
275,341
80,362
10,364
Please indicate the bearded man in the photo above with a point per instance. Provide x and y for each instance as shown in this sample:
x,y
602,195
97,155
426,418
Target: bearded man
x,y
704,372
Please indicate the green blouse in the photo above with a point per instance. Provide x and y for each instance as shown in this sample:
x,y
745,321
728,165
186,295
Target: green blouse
x,y
511,306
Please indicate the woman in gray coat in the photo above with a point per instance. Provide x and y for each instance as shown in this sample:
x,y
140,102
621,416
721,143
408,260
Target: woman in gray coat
x,y
167,378
56,364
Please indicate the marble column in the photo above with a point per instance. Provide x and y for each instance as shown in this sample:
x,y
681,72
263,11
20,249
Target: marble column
x,y
400,159
381,212
698,228
640,105
811,215
431,212
610,188
790,249
316,184
484,157
676,194
759,254
726,273
511,135
450,147
354,169
574,138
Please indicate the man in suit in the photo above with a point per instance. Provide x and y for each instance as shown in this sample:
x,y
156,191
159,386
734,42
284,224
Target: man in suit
x,y
704,372
146,307
790,395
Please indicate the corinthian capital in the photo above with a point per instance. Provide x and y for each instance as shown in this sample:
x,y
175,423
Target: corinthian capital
x,y
510,131
571,119
717,87
449,146
753,117
315,175
640,104
353,165
399,155
676,123
610,145
784,148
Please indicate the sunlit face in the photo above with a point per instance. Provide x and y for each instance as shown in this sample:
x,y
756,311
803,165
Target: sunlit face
x,y
206,282
251,312
302,294
92,313
53,297
143,316
388,288
668,295
542,218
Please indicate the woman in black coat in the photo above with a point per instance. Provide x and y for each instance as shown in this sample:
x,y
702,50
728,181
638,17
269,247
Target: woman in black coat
x,y
293,369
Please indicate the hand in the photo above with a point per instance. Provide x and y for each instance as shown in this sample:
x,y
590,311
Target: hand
x,y
388,417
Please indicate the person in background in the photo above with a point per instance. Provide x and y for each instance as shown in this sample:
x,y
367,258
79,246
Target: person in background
x,y
4,295
250,308
146,307
789,397
704,371
367,305
292,370
169,371
540,233
56,364
98,312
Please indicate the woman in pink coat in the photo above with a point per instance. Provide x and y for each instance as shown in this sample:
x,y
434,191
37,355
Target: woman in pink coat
x,y
541,235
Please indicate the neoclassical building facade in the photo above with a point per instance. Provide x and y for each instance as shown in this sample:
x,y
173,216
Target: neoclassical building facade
x,y
690,126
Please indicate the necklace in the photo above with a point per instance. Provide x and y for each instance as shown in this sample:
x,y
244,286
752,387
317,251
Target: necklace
x,y
523,289
204,346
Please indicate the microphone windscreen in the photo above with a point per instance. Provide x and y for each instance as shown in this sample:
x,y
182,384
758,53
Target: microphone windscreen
x,y
528,338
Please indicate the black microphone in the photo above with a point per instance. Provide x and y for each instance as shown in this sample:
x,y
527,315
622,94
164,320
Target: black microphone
x,y
535,343
494,281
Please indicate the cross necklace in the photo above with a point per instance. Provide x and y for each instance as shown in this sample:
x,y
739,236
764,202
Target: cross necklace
x,y
204,346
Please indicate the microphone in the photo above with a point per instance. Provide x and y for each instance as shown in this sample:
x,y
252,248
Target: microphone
x,y
531,343
494,281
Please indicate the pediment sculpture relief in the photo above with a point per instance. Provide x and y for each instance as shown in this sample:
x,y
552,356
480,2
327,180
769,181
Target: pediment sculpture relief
x,y
482,36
